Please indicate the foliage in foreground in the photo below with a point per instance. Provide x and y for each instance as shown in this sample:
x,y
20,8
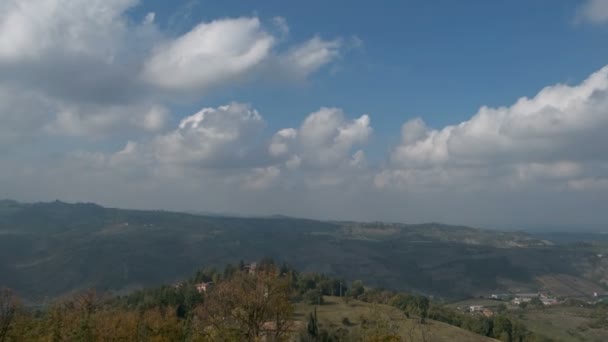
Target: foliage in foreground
x,y
241,306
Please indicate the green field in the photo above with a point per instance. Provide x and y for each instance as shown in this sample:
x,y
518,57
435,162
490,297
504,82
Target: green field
x,y
332,313
563,323
488,303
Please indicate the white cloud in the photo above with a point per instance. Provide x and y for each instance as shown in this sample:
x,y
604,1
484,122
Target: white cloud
x,y
282,141
32,29
358,159
594,11
230,50
262,178
280,24
300,61
149,18
209,54
223,136
325,139
551,136
83,55
228,144
95,121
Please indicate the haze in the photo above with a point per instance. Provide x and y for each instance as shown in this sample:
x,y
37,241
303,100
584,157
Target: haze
x,y
482,113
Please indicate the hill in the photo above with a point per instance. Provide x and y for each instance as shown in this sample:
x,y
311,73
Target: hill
x,y
51,249
337,313
265,302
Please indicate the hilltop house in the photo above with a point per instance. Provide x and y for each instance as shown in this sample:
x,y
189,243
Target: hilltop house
x,y
548,300
476,308
501,296
251,267
203,287
524,298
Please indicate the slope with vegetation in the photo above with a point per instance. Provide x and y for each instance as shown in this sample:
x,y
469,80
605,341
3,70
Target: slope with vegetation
x,y
269,303
53,249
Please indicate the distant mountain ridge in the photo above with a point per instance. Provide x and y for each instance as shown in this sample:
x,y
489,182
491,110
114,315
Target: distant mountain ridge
x,y
53,248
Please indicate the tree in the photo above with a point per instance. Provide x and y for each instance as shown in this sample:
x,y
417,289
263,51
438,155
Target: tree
x,y
379,327
313,325
536,302
313,297
8,309
403,302
422,308
248,306
356,289
503,328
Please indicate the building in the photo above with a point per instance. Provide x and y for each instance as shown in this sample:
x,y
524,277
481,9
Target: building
x,y
548,300
524,298
476,308
519,300
501,296
487,312
203,287
250,268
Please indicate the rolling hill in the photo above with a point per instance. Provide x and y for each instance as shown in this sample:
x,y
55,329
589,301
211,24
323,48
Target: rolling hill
x,y
51,249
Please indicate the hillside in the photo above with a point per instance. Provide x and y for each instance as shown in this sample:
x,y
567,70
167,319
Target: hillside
x,y
333,312
50,249
253,302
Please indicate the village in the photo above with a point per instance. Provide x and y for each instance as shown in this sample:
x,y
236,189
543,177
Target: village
x,y
496,302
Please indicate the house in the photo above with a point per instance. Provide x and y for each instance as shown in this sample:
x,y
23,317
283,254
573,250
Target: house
x,y
487,312
250,268
476,308
203,287
501,296
524,298
548,300
519,300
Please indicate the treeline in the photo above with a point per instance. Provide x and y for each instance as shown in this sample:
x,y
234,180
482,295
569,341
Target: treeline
x,y
240,303
309,287
499,326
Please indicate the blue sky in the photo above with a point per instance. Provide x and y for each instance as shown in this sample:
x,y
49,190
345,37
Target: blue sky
x,y
480,112
440,60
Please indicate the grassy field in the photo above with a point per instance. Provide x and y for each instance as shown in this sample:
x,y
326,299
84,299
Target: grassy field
x,y
563,323
563,285
488,303
332,314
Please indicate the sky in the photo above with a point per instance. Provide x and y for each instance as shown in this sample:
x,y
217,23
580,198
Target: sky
x,y
485,113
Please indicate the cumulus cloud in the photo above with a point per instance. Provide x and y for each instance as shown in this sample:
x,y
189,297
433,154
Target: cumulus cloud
x,y
229,50
229,145
302,60
212,137
558,134
543,154
594,11
84,55
209,54
325,139
86,71
95,121
34,29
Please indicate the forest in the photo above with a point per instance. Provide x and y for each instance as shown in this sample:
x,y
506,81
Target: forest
x,y
255,302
